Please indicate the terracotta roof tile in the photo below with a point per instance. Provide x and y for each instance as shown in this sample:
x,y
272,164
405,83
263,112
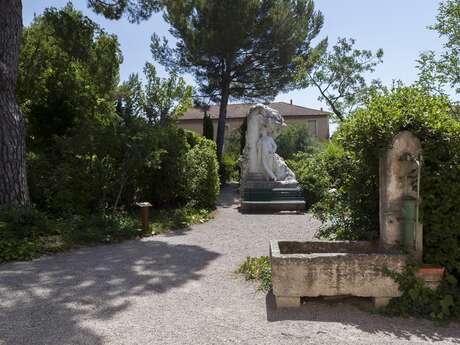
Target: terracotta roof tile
x,y
241,110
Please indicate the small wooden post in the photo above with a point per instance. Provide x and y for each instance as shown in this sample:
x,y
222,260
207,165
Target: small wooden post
x,y
144,208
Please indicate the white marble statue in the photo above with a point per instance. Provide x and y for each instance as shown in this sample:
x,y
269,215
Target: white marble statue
x,y
259,157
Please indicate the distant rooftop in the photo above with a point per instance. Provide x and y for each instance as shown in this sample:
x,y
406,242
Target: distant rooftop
x,y
240,110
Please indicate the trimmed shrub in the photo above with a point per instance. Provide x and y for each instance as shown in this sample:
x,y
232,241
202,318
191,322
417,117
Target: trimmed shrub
x,y
202,174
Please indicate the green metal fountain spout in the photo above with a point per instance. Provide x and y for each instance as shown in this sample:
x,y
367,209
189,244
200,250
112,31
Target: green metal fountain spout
x,y
410,211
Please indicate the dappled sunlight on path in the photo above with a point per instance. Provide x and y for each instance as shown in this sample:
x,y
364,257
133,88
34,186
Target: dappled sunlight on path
x,y
181,288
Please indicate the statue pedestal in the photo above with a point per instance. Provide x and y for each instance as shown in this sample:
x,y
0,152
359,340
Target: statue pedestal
x,y
261,196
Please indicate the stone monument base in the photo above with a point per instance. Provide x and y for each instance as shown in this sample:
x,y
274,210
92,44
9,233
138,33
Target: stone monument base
x,y
261,196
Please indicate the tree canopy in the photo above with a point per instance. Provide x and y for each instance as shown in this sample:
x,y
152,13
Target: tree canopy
x,y
160,100
242,49
135,10
68,72
441,72
13,186
339,76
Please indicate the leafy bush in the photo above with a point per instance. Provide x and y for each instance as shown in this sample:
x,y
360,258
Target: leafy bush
x,y
96,169
23,222
202,174
99,228
353,210
20,229
293,139
187,172
173,219
26,233
420,301
165,184
229,170
258,269
117,166
95,148
318,172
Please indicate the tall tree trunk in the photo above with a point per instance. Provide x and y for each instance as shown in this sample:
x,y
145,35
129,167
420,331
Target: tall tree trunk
x,y
13,179
222,117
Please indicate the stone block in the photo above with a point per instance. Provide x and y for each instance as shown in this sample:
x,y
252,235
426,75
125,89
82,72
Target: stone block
x,y
287,302
338,268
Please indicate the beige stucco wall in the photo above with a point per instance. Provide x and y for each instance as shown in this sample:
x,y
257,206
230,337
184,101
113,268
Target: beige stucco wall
x,y
322,123
196,125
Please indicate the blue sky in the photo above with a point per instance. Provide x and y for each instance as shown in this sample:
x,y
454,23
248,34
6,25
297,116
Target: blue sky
x,y
397,26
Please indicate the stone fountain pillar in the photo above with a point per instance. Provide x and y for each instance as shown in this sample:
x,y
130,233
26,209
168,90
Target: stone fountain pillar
x,y
399,183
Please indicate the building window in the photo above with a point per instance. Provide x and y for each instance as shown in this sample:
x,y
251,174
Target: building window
x,y
312,128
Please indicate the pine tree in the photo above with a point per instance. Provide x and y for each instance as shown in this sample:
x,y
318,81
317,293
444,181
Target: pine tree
x,y
239,49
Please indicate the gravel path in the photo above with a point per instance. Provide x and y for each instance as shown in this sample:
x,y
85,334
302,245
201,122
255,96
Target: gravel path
x,y
180,288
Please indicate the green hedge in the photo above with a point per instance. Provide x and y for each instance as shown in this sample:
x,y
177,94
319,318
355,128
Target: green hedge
x,y
187,172
167,166
353,208
202,174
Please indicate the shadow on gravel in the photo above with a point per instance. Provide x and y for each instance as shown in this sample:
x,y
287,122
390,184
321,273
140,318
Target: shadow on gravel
x,y
45,301
176,232
229,196
351,313
268,212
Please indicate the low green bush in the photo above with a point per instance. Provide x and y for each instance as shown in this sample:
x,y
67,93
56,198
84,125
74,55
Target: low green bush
x,y
418,300
88,172
26,233
23,222
99,228
175,219
229,170
259,269
20,232
318,172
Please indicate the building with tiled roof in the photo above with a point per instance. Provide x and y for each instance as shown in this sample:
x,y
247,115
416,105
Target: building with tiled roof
x,y
317,120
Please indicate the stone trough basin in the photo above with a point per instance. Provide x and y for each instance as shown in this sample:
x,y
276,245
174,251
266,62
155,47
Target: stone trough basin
x,y
338,268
